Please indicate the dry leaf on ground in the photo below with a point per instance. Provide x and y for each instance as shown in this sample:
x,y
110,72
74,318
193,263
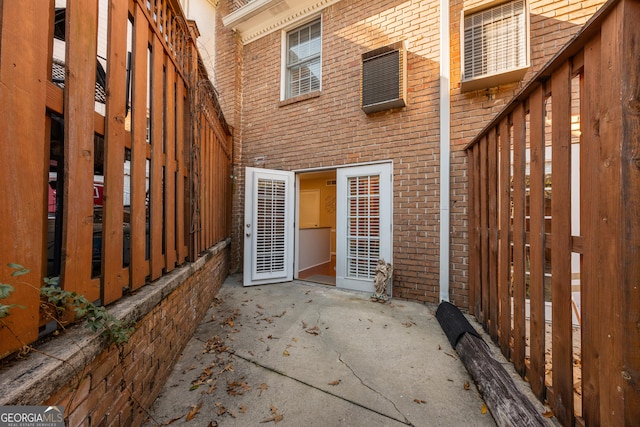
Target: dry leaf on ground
x,y
276,418
419,401
336,382
548,414
262,388
466,385
242,409
483,410
194,411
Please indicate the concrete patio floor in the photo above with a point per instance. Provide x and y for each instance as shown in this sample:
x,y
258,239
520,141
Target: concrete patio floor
x,y
299,354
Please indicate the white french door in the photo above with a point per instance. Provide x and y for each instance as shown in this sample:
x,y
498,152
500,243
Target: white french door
x,y
363,227
268,226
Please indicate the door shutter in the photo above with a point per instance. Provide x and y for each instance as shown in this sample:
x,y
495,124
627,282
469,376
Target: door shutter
x,y
268,226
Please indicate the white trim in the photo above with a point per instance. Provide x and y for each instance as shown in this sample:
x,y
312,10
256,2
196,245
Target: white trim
x,y
262,17
445,149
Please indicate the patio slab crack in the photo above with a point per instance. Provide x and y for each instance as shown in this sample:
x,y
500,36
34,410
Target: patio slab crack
x,y
406,421
298,380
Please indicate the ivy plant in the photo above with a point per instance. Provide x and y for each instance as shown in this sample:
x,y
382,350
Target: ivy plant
x,y
97,317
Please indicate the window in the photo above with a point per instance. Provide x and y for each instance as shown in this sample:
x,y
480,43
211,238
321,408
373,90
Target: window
x,y
303,69
496,45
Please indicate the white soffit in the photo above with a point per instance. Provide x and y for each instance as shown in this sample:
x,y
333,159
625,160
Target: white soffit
x,y
261,17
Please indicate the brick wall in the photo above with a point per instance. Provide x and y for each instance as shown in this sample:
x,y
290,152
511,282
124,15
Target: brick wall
x,y
99,385
331,130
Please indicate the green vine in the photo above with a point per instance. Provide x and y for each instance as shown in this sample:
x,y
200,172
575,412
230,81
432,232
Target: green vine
x,y
97,317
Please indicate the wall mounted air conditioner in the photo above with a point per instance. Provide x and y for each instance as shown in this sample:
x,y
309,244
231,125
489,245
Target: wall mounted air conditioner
x,y
384,78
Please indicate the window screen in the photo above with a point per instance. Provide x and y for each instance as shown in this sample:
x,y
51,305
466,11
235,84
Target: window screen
x,y
495,40
303,59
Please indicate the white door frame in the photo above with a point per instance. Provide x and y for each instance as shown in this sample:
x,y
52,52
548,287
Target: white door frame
x,y
268,256
345,279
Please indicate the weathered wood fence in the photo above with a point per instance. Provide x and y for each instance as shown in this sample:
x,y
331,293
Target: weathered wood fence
x,y
115,156
554,223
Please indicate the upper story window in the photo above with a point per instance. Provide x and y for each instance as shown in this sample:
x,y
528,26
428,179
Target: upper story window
x,y
303,62
496,45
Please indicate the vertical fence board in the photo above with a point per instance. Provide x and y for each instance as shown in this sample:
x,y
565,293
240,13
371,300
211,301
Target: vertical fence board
x,y
519,142
629,291
113,275
504,244
170,170
24,72
561,246
590,299
483,241
474,256
157,154
536,277
77,243
139,266
181,172
493,235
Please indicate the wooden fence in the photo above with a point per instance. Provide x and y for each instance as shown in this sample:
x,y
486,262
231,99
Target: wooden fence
x,y
115,156
555,225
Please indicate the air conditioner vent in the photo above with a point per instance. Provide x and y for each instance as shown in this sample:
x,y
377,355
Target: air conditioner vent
x,y
384,78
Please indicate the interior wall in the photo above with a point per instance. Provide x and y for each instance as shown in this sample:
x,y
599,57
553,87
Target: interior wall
x,y
327,200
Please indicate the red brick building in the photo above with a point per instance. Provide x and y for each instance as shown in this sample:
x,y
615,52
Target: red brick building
x,y
369,106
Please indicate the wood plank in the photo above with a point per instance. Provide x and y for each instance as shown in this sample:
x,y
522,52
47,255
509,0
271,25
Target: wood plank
x,y
113,274
590,299
138,267
504,243
157,94
561,246
628,332
483,240
170,170
536,253
181,172
492,235
474,256
79,110
519,142
24,73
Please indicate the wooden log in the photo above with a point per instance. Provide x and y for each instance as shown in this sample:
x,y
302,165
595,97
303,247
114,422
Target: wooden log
x,y
507,404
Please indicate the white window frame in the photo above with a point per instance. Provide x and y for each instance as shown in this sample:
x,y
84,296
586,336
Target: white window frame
x,y
496,76
284,80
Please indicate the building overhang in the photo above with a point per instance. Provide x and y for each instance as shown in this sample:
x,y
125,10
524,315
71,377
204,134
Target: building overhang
x,y
258,18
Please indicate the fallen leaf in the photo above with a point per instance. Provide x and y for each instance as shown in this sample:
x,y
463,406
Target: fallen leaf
x,y
548,414
304,325
276,418
285,353
294,339
419,401
280,315
466,385
310,301
262,388
242,409
336,382
313,331
194,411
483,410
230,322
